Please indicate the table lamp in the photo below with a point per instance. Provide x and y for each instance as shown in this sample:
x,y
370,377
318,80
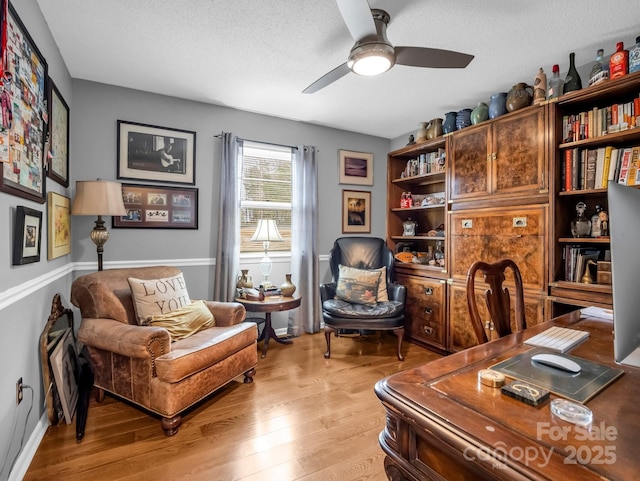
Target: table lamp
x,y
267,231
98,197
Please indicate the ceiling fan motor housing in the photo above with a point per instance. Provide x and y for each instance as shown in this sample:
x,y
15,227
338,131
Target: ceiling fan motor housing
x,y
373,48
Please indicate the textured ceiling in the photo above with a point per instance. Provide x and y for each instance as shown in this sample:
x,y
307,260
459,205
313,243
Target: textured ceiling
x,y
259,55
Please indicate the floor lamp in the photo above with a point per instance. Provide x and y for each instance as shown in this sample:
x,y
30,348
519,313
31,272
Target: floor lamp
x,y
98,197
267,231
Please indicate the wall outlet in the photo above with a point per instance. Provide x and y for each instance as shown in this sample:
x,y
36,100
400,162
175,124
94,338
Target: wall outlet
x,y
19,391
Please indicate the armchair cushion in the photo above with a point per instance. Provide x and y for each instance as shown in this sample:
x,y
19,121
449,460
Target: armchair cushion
x,y
358,286
158,296
185,321
340,308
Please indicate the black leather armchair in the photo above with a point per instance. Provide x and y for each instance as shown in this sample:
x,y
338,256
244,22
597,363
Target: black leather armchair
x,y
362,253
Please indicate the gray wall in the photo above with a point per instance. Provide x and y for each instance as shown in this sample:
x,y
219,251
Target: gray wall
x,y
26,291
97,107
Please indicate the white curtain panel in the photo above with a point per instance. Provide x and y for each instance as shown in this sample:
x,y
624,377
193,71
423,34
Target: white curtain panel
x,y
304,242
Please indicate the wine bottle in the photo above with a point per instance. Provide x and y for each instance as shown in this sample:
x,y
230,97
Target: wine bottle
x,y
599,73
572,81
634,57
619,62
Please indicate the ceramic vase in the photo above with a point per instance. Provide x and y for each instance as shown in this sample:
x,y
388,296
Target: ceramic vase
x,y
287,287
449,124
434,129
480,113
498,105
244,280
463,119
519,96
421,135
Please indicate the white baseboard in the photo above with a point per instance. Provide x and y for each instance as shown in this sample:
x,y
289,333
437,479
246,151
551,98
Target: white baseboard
x,y
29,451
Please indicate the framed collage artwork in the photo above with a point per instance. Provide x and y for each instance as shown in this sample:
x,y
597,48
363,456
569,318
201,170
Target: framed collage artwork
x,y
24,114
159,207
148,152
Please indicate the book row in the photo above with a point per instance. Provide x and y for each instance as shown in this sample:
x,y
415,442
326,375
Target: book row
x,y
425,163
601,121
578,260
584,169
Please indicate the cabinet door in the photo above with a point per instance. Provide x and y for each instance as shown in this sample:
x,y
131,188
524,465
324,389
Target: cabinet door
x,y
425,310
518,161
491,234
461,333
469,165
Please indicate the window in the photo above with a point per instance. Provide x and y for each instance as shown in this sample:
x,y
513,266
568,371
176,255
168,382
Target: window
x,y
265,193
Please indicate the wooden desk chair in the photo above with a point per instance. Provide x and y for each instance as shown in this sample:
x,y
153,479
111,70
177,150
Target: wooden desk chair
x,y
497,298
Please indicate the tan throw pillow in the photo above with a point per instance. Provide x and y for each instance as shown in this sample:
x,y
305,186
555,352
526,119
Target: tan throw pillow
x,y
153,297
185,321
357,285
383,295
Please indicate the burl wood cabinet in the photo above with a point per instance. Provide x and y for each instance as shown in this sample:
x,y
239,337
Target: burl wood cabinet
x,y
425,311
495,233
502,157
461,335
496,180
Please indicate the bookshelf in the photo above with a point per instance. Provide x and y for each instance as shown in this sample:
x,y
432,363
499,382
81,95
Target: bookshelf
x,y
588,126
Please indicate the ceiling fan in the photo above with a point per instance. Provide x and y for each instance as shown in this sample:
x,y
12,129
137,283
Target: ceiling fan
x,y
373,54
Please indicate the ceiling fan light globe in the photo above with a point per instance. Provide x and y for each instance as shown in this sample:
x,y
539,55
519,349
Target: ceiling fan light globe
x,y
371,59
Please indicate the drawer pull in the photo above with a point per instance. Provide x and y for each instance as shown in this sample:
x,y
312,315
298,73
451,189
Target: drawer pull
x,y
428,311
428,330
428,291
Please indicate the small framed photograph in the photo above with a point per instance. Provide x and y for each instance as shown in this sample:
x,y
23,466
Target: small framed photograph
x,y
356,211
27,235
356,167
148,152
58,155
58,225
150,206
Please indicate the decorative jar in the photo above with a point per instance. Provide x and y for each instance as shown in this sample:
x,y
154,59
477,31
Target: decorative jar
x,y
421,135
449,124
581,226
287,288
480,113
244,280
498,105
434,129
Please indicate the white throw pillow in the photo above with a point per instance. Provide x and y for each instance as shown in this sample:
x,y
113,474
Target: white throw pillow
x,y
154,297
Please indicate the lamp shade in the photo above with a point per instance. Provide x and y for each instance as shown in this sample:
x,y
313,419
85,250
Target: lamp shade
x,y
98,197
267,231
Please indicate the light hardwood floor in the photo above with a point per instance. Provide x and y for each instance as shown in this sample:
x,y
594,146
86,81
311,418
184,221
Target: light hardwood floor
x,y
304,418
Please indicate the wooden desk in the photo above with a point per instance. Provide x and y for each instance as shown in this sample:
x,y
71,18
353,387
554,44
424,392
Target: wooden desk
x,y
443,424
268,305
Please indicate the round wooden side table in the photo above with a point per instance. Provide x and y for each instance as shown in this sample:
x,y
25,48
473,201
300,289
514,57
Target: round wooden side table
x,y
268,305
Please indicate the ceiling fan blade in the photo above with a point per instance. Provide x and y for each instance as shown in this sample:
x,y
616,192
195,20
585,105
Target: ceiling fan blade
x,y
431,57
358,18
322,82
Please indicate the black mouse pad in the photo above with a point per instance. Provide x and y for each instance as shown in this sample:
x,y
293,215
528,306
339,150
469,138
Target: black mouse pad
x,y
580,387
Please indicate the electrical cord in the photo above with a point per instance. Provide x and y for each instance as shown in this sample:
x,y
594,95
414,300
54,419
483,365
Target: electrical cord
x,y
24,431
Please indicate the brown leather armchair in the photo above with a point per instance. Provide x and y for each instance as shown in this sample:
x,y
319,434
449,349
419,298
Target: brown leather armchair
x,y
141,364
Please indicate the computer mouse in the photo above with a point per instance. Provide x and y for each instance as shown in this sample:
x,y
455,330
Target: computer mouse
x,y
558,362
